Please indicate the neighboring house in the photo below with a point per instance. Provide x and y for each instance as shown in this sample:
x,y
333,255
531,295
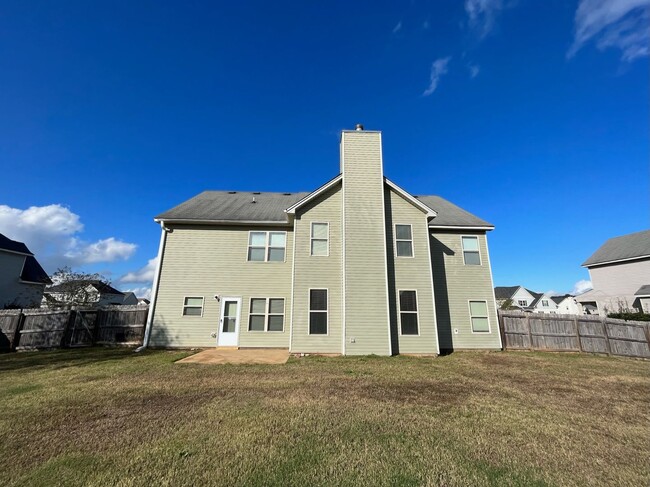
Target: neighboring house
x,y
22,279
643,297
567,305
86,292
143,302
543,303
619,270
519,296
358,266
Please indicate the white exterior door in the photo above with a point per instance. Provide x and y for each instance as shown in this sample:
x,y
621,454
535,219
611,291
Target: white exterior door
x,y
229,323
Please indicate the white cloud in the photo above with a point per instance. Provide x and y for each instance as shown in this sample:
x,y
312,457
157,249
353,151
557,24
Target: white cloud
x,y
474,70
581,286
438,68
482,14
51,232
144,274
141,292
398,27
621,24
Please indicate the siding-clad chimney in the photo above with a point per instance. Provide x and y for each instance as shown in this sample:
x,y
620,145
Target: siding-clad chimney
x,y
366,319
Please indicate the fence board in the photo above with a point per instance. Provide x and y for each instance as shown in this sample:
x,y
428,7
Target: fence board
x,y
10,321
591,334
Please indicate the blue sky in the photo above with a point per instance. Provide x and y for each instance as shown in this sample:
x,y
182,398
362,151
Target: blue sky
x,y
532,115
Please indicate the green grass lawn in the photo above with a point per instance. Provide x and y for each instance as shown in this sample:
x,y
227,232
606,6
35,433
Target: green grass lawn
x,y
113,417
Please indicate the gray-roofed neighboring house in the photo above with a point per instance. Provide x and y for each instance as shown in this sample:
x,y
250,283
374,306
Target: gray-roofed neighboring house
x,y
87,292
618,269
357,266
22,279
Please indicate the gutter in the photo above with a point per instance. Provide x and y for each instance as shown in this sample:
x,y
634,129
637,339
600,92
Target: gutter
x,y
154,288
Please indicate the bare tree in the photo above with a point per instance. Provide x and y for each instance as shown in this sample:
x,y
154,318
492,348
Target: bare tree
x,y
74,289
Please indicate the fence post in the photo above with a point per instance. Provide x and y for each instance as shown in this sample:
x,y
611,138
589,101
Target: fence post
x,y
607,344
72,318
98,323
530,333
19,326
575,321
501,320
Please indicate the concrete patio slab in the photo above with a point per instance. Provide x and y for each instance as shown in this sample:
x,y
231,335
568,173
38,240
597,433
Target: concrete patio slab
x,y
217,356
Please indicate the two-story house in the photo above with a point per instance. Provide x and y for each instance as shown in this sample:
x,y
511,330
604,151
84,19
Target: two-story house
x,y
358,266
620,274
22,279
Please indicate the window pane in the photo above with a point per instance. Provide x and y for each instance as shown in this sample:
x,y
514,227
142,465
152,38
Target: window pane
x,y
229,325
403,232
404,249
478,308
318,299
276,306
470,243
276,255
278,239
256,255
276,323
257,239
317,323
192,311
319,247
256,323
407,301
480,324
230,309
194,301
409,323
258,306
319,230
472,258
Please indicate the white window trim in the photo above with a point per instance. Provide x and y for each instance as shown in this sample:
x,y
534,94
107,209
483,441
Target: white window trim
x,y
267,247
519,301
399,312
309,311
266,314
404,240
471,327
311,238
478,246
543,303
189,306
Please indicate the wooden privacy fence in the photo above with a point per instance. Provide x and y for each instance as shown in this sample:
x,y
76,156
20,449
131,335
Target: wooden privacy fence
x,y
41,328
574,333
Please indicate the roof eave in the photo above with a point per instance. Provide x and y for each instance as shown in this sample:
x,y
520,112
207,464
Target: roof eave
x,y
431,213
588,264
486,228
221,222
292,209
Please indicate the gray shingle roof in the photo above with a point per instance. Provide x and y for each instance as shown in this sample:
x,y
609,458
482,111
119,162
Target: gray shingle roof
x,y
13,245
619,248
451,215
238,206
559,299
643,290
504,292
101,287
33,272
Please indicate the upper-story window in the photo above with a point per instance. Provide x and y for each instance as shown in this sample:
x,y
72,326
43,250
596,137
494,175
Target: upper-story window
x,y
522,302
545,303
320,239
471,253
266,246
404,240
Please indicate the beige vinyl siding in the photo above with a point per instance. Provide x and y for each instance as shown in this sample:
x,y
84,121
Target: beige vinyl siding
x,y
366,302
616,284
208,260
318,272
455,285
410,273
12,291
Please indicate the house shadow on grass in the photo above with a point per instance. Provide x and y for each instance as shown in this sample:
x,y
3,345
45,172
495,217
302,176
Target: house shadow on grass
x,y
58,359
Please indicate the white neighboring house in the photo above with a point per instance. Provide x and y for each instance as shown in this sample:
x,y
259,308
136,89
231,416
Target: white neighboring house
x,y
543,303
620,275
520,296
91,292
568,305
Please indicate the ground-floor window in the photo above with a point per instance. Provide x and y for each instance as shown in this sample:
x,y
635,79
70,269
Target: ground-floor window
x,y
266,314
479,315
318,311
193,306
408,312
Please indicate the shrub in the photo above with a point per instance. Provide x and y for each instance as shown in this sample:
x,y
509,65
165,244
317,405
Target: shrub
x,y
630,316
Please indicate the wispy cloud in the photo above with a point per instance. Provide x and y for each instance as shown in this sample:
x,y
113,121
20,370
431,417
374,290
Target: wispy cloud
x,y
52,233
438,68
144,274
620,24
581,286
474,70
482,14
398,27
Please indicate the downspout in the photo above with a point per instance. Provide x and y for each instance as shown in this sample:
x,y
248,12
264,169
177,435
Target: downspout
x,y
154,288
